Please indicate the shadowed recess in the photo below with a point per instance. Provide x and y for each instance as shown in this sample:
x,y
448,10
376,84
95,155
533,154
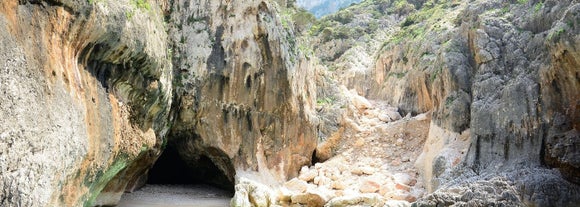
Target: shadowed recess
x,y
171,168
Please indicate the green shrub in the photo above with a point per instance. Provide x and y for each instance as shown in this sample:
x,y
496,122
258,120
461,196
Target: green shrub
x,y
142,4
303,20
325,101
402,7
538,6
344,16
556,34
397,75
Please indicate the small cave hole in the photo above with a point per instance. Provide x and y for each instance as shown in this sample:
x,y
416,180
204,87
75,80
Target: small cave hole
x,y
314,158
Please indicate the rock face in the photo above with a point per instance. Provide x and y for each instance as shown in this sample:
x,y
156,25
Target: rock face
x,y
500,78
86,90
244,99
92,91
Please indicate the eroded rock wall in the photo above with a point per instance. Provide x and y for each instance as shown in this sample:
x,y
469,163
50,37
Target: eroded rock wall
x,y
245,99
501,79
86,90
92,89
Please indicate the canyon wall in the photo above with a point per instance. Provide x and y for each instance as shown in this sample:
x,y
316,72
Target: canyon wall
x,y
501,79
93,91
86,90
244,99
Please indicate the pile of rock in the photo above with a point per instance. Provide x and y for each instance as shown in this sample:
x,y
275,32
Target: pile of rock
x,y
334,183
371,163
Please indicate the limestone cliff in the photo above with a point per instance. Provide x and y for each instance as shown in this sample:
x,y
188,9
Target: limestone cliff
x,y
500,78
86,89
244,99
93,91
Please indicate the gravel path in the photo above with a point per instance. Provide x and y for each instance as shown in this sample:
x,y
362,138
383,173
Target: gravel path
x,y
177,196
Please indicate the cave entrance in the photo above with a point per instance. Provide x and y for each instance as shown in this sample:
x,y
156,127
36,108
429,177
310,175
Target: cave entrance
x,y
173,169
185,179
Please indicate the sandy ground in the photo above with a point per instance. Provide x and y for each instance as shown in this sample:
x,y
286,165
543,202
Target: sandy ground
x,y
176,196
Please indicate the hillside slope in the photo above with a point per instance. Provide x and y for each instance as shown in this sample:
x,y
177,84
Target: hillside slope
x,y
504,74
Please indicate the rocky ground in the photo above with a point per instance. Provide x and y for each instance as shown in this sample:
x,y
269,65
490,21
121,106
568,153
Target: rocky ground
x,y
373,163
176,195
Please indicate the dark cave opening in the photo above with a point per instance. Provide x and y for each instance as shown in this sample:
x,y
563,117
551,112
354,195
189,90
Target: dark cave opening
x,y
172,169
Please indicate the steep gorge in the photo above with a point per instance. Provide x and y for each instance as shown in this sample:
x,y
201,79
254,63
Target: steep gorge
x,y
118,81
247,93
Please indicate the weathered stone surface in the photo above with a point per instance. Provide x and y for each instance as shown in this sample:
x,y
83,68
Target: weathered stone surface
x,y
560,95
86,92
308,199
104,70
250,193
244,94
369,186
308,174
371,199
397,204
337,185
89,96
496,191
389,115
500,78
296,185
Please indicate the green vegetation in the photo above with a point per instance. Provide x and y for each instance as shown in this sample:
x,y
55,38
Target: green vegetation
x,y
303,20
103,178
570,23
556,34
144,148
325,101
346,23
435,74
297,19
523,1
344,17
398,75
94,1
402,7
305,49
538,6
412,32
286,18
139,4
505,10
129,14
418,24
142,4
178,80
449,100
